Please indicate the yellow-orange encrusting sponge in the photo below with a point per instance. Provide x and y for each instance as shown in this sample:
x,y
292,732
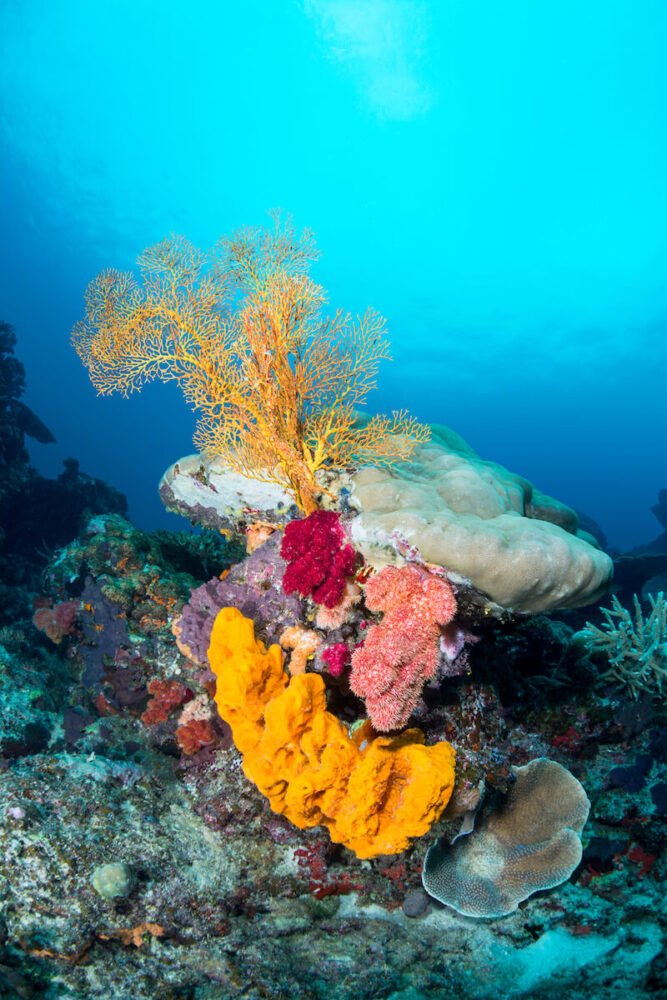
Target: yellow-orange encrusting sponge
x,y
374,794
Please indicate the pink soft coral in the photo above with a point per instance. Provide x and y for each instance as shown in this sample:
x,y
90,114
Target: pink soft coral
x,y
319,557
401,652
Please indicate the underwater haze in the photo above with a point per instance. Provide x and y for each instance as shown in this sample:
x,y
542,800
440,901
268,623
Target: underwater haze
x,y
348,710
490,177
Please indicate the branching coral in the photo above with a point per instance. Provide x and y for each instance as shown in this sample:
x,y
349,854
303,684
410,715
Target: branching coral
x,y
401,653
635,646
374,794
275,381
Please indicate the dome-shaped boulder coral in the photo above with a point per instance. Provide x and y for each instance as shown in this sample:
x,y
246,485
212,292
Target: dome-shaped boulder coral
x,y
512,542
531,842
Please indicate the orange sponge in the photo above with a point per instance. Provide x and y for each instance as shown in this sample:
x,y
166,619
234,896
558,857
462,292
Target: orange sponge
x,y
374,794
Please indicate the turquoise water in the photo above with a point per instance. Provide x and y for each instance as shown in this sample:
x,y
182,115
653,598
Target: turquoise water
x,y
491,177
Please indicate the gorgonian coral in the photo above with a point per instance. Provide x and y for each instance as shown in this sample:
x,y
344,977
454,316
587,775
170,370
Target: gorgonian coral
x,y
276,382
400,653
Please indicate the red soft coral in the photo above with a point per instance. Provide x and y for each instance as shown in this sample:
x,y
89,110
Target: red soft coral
x,y
165,697
401,652
194,735
58,621
319,558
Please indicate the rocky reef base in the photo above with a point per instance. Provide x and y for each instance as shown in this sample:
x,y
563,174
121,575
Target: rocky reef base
x,y
139,862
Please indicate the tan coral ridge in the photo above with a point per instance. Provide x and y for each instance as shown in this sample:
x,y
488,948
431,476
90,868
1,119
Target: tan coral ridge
x,y
512,542
374,794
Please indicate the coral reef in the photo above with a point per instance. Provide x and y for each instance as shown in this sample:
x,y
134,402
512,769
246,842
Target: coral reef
x,y
373,794
229,898
207,790
531,842
36,514
18,419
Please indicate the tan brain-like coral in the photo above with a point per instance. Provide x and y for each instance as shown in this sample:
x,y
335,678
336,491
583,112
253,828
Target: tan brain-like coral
x,y
531,842
512,542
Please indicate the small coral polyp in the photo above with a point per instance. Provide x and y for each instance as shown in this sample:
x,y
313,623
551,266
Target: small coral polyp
x,y
374,794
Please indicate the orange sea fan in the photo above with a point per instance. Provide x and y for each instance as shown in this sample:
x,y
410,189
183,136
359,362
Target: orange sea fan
x,y
275,381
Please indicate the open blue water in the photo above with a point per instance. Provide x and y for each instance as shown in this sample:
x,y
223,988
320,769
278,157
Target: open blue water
x,y
489,176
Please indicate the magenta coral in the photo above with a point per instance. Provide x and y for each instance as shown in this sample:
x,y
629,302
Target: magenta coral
x,y
336,658
400,653
319,557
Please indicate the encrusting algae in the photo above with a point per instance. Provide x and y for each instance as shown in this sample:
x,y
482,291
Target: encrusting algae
x,y
373,793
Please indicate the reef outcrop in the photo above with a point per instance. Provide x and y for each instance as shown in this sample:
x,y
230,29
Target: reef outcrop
x,y
517,546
